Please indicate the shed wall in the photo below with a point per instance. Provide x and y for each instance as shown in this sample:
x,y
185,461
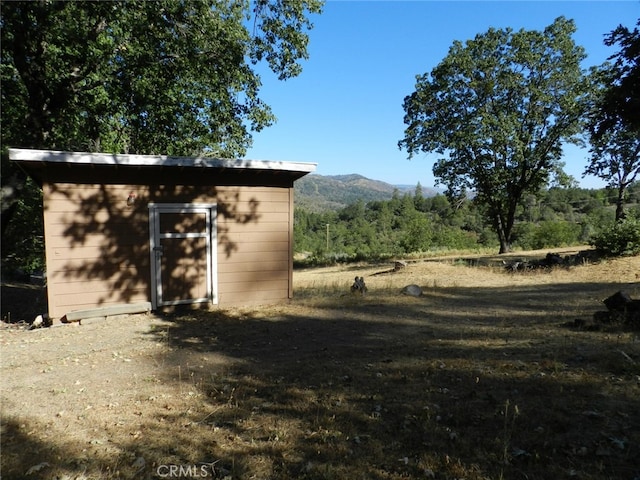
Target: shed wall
x,y
97,246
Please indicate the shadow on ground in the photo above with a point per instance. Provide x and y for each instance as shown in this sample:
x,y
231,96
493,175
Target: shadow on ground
x,y
460,383
475,382
22,302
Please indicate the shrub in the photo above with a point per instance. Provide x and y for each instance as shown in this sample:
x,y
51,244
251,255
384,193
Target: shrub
x,y
555,234
455,238
620,238
546,234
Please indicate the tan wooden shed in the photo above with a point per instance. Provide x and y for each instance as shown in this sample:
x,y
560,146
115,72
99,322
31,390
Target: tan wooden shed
x,y
131,229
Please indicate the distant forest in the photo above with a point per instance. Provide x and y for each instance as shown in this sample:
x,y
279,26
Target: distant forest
x,y
411,223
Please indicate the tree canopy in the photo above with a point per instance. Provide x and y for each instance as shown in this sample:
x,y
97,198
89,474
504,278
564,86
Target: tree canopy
x,y
614,121
411,225
615,158
498,109
172,77
621,101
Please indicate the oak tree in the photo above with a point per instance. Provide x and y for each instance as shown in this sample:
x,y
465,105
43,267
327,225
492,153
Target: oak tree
x,y
614,121
498,109
621,100
615,158
173,77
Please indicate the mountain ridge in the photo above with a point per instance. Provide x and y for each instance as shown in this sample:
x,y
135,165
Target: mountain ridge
x,y
316,192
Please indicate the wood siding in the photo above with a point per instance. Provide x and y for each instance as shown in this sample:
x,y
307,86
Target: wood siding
x,y
254,244
97,246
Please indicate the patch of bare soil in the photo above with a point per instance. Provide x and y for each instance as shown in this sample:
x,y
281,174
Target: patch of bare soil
x,y
484,376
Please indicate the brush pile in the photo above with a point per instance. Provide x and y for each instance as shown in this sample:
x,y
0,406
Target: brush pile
x,y
550,261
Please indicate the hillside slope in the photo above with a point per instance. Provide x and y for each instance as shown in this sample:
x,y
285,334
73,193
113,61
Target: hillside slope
x,y
319,193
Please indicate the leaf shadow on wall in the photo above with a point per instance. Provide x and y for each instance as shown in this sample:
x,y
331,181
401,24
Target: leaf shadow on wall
x,y
100,239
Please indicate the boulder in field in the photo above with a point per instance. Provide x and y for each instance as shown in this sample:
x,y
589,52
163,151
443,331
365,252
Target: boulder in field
x,y
413,290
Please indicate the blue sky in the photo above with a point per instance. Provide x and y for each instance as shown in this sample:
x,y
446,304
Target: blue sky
x,y
344,112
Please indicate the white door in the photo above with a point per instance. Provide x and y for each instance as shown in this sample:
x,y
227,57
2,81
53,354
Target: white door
x,y
183,253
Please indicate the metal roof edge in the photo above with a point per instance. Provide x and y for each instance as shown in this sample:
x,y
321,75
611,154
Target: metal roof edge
x,y
135,160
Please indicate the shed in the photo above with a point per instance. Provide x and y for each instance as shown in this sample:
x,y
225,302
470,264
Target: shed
x,y
129,229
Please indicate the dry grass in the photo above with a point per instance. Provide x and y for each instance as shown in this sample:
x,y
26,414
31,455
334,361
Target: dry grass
x,y
483,377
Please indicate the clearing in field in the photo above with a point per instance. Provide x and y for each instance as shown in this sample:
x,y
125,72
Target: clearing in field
x,y
484,376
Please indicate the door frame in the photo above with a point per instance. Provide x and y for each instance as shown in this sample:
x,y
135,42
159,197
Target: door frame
x,y
155,249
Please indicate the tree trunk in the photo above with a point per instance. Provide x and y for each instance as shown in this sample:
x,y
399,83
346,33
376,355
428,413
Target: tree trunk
x,y
503,235
504,246
620,203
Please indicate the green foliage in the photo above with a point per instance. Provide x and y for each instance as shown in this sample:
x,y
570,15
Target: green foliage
x,y
417,234
620,238
81,76
614,120
547,234
619,106
498,108
454,238
382,229
23,240
169,77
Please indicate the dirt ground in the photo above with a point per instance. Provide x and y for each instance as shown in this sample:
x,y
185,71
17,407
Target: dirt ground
x,y
483,376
